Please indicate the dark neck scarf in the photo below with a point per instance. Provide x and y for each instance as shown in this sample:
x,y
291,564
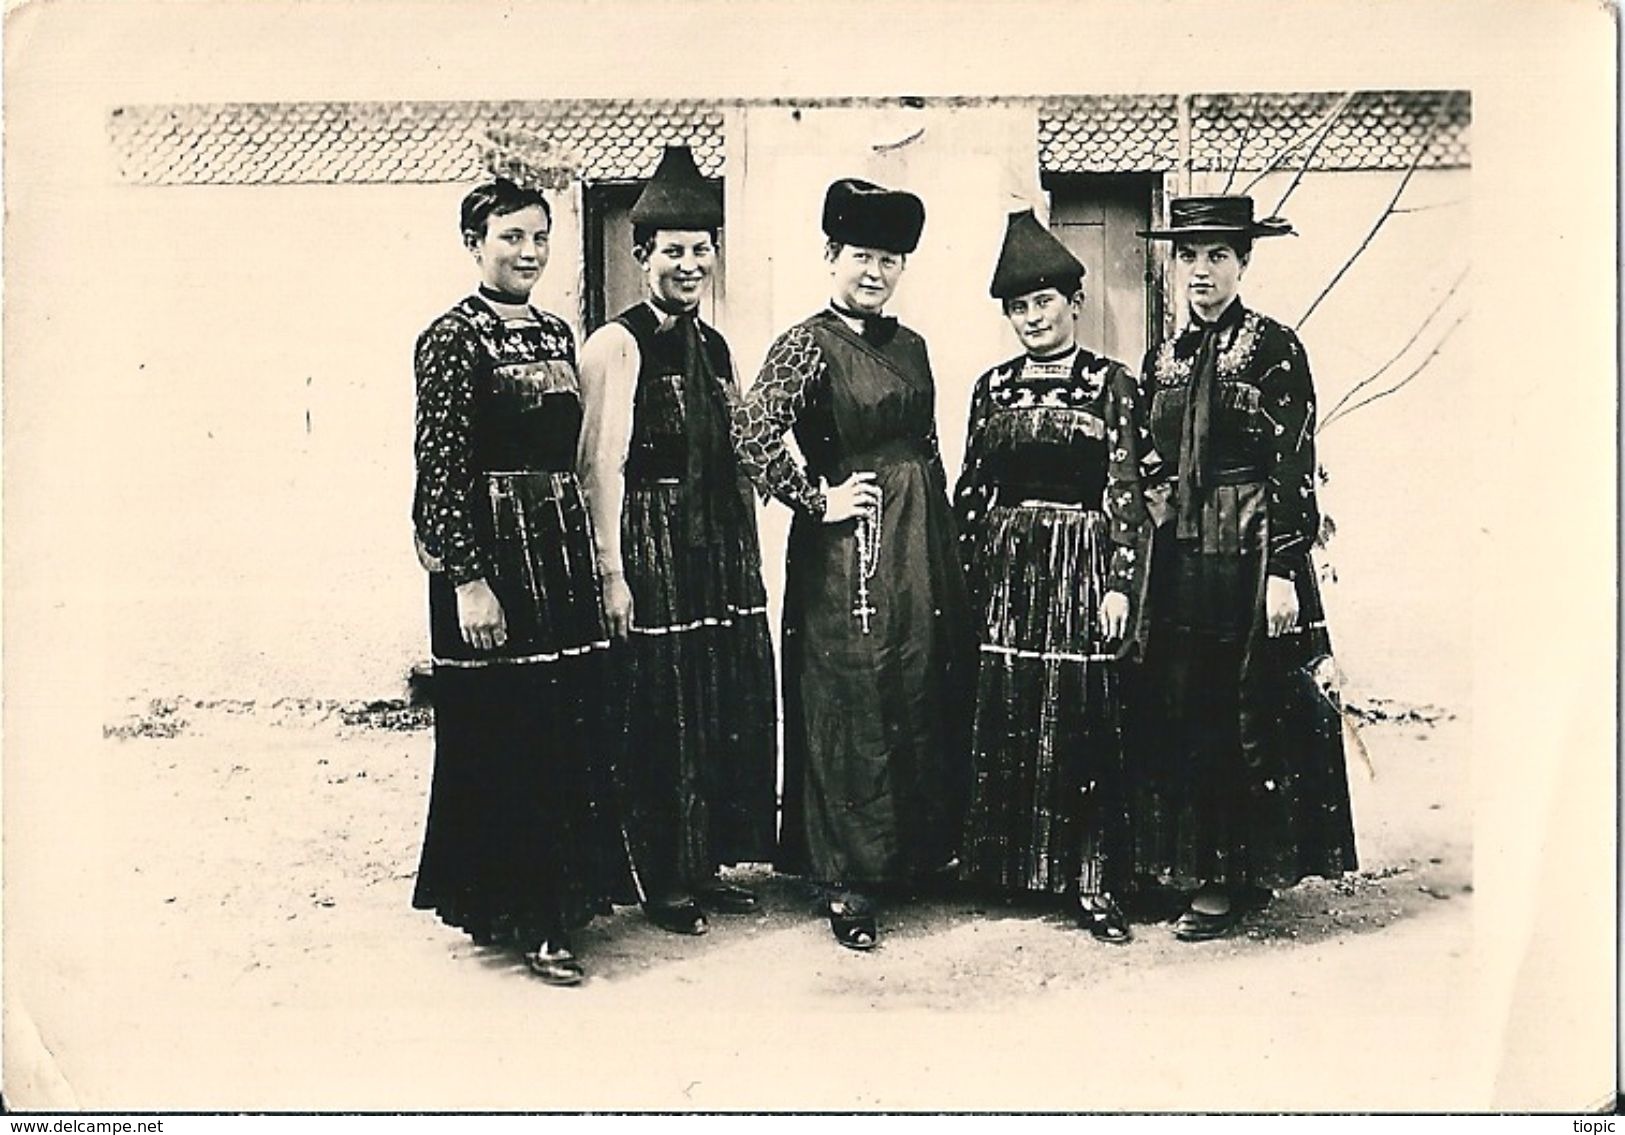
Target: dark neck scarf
x,y
1195,458
711,489
878,330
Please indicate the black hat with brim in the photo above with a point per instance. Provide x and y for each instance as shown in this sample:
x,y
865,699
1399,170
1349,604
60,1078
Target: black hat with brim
x,y
1032,260
869,216
1191,218
677,196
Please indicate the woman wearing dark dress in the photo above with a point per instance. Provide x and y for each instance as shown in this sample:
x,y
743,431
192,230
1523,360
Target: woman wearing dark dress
x,y
1050,584
878,645
677,549
520,847
1244,787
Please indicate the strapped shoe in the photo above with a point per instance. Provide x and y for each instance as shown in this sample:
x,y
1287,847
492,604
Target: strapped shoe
x,y
555,965
1104,919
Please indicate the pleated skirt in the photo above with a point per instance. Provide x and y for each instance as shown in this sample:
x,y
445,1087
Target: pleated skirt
x,y
1047,810
1240,773
698,723
522,842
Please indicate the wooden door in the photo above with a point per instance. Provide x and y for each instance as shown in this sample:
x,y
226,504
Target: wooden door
x,y
1098,218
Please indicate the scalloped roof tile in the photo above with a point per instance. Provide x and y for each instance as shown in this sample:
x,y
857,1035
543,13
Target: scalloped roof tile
x,y
395,142
1377,130
621,139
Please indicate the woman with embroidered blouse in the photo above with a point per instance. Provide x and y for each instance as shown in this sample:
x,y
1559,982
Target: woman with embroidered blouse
x,y
877,639
520,846
1050,579
1242,777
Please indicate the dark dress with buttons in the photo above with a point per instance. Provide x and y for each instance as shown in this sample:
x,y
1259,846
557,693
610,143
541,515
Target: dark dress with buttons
x,y
699,727
521,842
1239,758
878,645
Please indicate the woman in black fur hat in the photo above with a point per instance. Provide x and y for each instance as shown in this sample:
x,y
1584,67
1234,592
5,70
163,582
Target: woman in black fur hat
x,y
878,645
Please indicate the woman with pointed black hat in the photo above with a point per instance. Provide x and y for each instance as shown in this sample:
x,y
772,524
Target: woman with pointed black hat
x,y
1243,779
1050,578
521,845
878,646
675,524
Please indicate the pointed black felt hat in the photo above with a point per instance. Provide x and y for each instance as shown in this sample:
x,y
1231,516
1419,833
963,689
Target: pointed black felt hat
x,y
1221,216
1032,259
866,215
678,196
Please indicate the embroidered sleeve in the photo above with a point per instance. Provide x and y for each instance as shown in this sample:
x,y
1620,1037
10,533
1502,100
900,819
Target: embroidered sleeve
x,y
1287,395
1127,444
793,369
609,385
973,495
446,362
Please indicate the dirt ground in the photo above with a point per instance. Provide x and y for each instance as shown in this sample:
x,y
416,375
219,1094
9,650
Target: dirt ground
x,y
252,946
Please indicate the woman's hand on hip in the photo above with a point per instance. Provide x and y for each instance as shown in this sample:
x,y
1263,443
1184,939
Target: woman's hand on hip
x,y
479,616
617,604
1280,606
858,494
1113,615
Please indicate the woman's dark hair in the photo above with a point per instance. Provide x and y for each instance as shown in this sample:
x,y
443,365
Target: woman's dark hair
x,y
497,199
643,236
1242,246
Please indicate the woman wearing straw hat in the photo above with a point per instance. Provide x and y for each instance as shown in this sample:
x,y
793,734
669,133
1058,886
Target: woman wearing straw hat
x,y
1244,783
1050,578
520,846
878,644
675,524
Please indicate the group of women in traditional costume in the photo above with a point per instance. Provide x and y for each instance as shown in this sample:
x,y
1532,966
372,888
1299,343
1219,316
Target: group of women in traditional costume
x,y
1099,665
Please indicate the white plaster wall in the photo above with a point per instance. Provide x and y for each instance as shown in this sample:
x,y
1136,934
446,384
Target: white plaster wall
x,y
233,367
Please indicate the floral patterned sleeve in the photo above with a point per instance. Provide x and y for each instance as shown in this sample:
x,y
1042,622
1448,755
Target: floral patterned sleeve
x,y
446,361
1287,392
793,369
973,495
1128,445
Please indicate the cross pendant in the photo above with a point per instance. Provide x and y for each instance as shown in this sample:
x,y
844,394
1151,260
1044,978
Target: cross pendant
x,y
862,611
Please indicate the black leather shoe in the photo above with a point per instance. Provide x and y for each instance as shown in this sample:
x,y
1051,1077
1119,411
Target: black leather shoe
x,y
1104,920
852,921
724,898
679,918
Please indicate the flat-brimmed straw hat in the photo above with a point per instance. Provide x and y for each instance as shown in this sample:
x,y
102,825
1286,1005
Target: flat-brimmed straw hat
x,y
1191,218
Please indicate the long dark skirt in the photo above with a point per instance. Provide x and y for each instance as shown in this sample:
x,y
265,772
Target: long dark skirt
x,y
521,842
1047,811
1240,766
699,721
876,724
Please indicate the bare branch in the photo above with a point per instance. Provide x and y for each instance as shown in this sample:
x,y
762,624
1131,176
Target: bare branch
x,y
1409,343
1309,159
1420,367
1434,205
1320,128
1387,211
